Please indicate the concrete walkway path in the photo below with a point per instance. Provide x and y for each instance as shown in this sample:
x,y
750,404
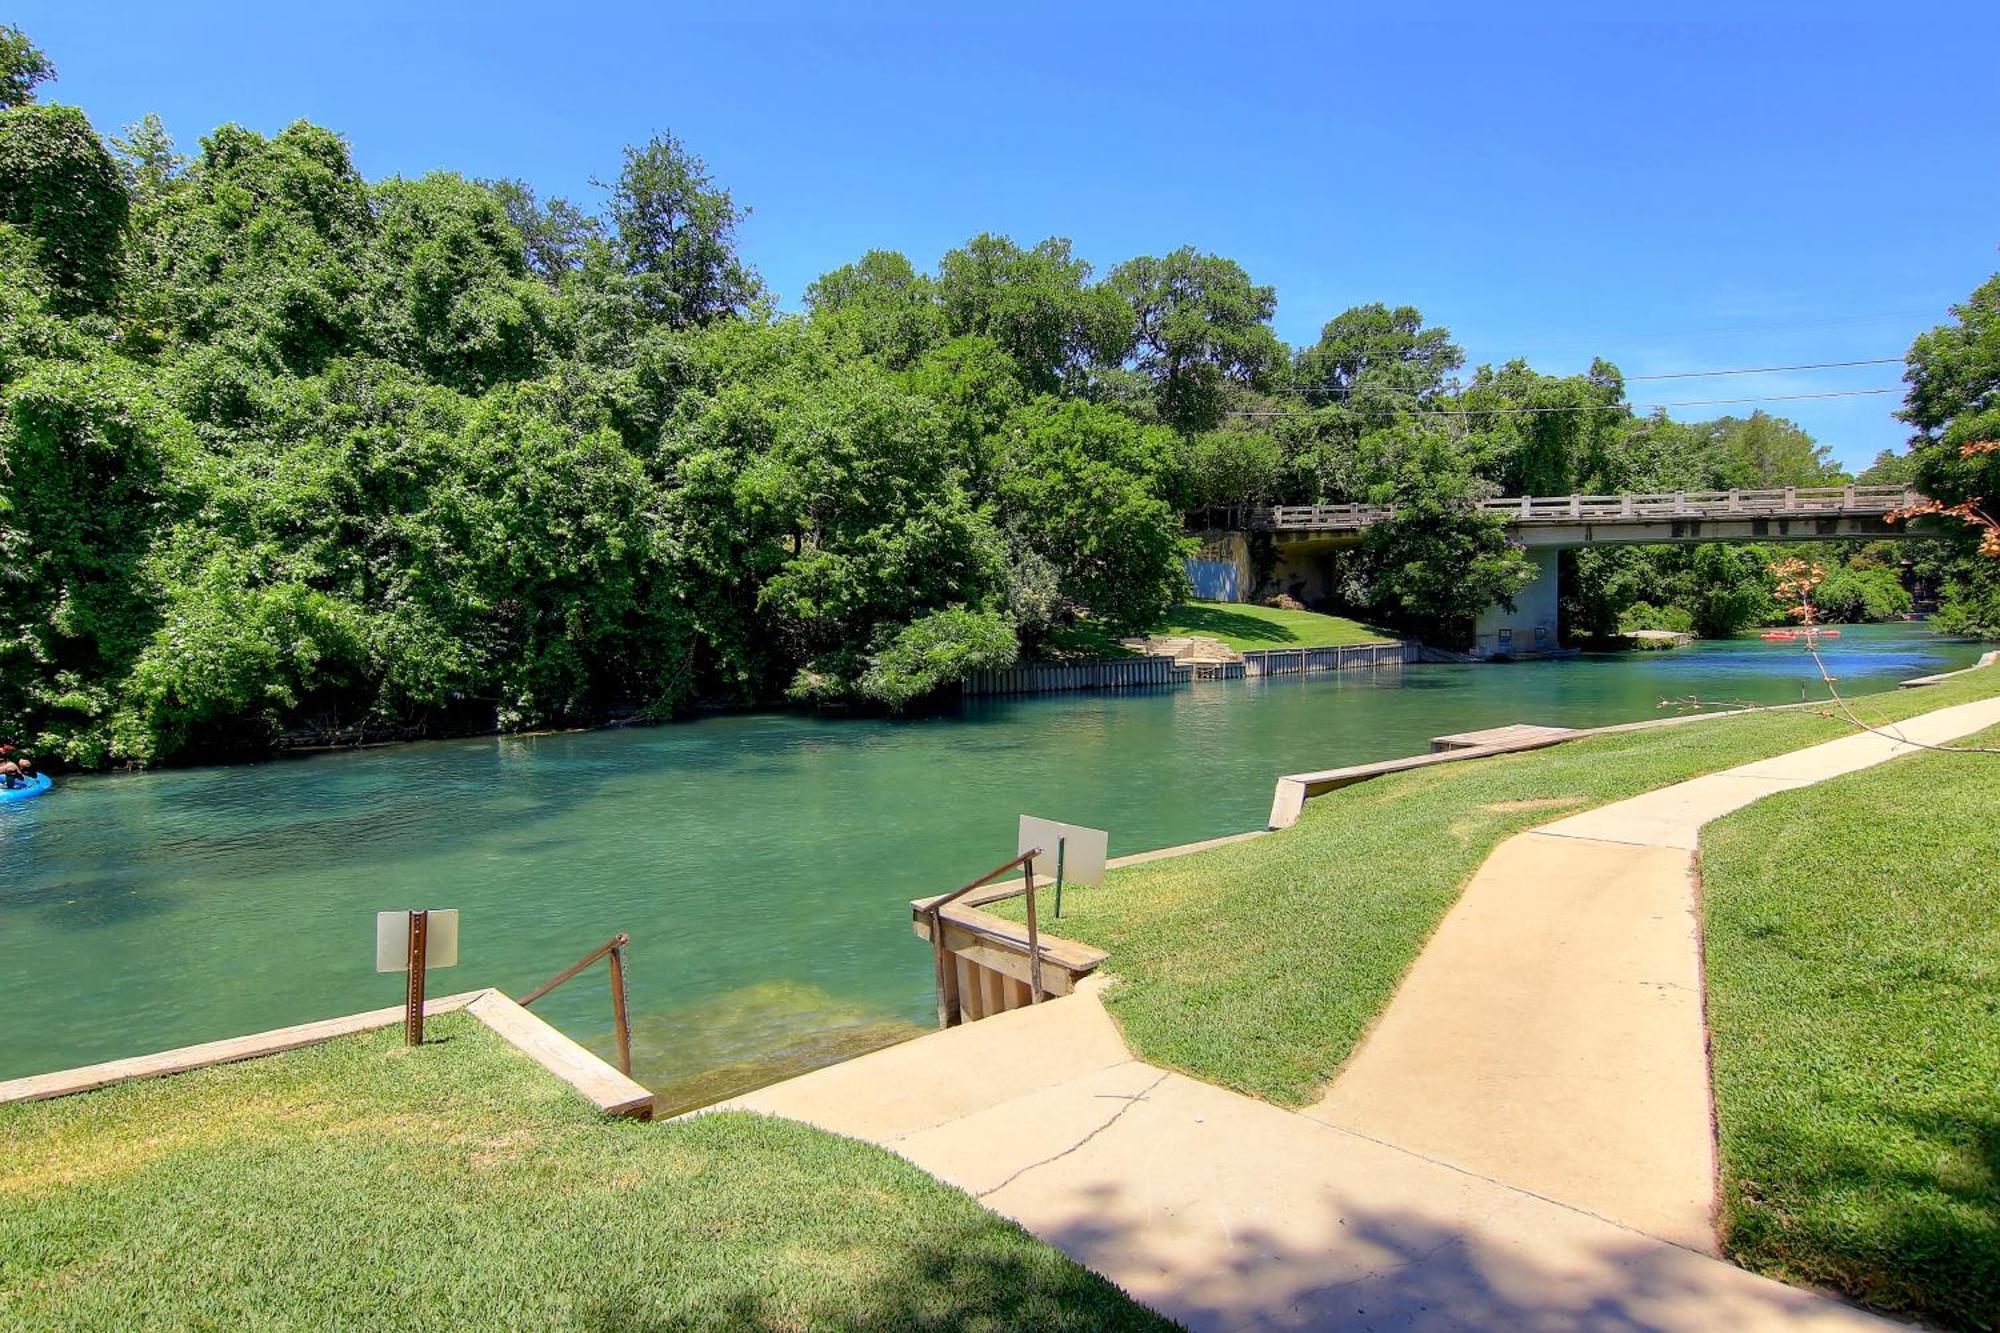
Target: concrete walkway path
x,y
1523,1141
1228,1213
1552,1034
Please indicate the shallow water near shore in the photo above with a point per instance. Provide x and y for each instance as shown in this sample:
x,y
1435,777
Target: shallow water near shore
x,y
762,862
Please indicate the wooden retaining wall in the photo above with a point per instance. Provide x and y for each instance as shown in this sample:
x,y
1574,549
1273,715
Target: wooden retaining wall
x,y
1296,661
991,961
1116,673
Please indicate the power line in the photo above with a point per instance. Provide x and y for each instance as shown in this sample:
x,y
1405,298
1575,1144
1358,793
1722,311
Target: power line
x,y
1772,370
1604,407
1348,391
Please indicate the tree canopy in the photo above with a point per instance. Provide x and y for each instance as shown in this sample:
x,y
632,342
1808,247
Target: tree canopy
x,y
284,450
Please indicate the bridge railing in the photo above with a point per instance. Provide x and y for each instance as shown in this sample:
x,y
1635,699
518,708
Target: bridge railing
x,y
1790,501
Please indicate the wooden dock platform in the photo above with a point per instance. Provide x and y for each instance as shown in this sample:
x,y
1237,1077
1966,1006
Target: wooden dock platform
x,y
1520,733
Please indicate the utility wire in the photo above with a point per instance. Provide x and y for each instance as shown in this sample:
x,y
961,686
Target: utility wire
x,y
1347,391
1772,370
1599,407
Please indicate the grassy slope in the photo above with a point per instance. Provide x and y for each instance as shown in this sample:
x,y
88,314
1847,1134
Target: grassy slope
x,y
1250,627
1258,965
361,1183
1853,944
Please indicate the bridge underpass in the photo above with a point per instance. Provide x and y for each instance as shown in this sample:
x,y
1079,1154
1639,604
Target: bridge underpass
x,y
1304,538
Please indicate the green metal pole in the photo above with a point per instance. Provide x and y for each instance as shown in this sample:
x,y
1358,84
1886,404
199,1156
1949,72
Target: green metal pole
x,y
1061,845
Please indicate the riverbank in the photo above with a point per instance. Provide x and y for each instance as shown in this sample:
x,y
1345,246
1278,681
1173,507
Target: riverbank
x,y
1525,1137
460,1185
1258,966
762,863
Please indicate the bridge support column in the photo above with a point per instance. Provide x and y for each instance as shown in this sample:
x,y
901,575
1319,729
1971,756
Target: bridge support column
x,y
1530,628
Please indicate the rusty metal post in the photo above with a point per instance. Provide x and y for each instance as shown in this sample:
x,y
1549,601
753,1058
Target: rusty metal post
x,y
624,1029
1034,937
413,999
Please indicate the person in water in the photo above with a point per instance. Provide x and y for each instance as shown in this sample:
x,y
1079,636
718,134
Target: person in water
x,y
15,769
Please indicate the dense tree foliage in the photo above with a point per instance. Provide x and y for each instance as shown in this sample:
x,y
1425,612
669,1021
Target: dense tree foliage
x,y
1954,406
283,450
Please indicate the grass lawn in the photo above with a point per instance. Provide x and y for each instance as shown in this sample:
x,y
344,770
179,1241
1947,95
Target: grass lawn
x,y
1259,965
1853,944
1245,628
360,1183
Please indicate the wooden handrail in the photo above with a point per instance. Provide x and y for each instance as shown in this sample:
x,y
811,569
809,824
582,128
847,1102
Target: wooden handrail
x,y
947,973
613,948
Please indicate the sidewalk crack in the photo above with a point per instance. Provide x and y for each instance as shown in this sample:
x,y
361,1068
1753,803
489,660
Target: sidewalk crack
x,y
1130,1099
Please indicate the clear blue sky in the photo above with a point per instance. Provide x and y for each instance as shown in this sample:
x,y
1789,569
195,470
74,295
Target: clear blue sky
x,y
1675,195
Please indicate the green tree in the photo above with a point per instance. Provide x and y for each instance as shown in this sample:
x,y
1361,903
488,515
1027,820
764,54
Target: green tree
x,y
1724,590
1375,352
813,513
450,284
1953,406
880,307
23,67
674,233
1039,306
59,186
1534,434
1440,559
1201,327
1081,489
1372,368
263,255
1855,595
1889,469
554,235
1762,452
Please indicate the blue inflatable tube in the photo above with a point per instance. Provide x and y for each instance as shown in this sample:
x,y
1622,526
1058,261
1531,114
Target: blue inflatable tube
x,y
37,784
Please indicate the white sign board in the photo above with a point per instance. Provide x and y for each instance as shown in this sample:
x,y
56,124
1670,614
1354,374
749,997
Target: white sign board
x,y
392,939
1083,850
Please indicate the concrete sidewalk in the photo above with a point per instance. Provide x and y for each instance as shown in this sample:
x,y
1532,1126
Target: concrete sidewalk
x,y
1229,1213
1551,1035
1522,1142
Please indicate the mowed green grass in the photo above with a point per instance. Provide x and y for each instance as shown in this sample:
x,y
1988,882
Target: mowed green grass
x,y
1853,948
1246,628
1259,965
459,1185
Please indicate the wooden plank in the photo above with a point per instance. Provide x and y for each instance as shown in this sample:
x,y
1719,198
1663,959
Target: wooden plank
x,y
1011,959
603,1086
1508,735
968,987
992,991
181,1060
960,920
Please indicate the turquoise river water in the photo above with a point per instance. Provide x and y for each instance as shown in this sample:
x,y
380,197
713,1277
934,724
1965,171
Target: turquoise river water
x,y
760,862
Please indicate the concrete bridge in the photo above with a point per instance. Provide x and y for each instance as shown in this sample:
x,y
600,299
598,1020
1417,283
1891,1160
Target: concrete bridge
x,y
1305,537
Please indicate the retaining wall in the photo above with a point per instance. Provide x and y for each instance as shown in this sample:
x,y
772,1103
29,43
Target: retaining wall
x,y
1111,674
1294,661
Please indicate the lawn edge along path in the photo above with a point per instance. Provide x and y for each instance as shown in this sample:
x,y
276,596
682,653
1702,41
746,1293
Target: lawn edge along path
x,y
1552,1034
1853,970
1259,966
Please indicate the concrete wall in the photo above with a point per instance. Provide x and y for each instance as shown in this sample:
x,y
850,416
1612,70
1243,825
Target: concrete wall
x,y
1220,569
1215,580
1531,626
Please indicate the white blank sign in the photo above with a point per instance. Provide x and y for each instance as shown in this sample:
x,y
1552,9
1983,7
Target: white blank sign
x,y
1083,849
392,940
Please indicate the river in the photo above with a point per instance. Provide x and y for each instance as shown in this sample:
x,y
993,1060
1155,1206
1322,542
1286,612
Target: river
x,y
760,861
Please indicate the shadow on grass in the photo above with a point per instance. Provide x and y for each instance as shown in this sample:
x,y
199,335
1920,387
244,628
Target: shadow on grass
x,y
1913,1229
1220,624
955,1279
